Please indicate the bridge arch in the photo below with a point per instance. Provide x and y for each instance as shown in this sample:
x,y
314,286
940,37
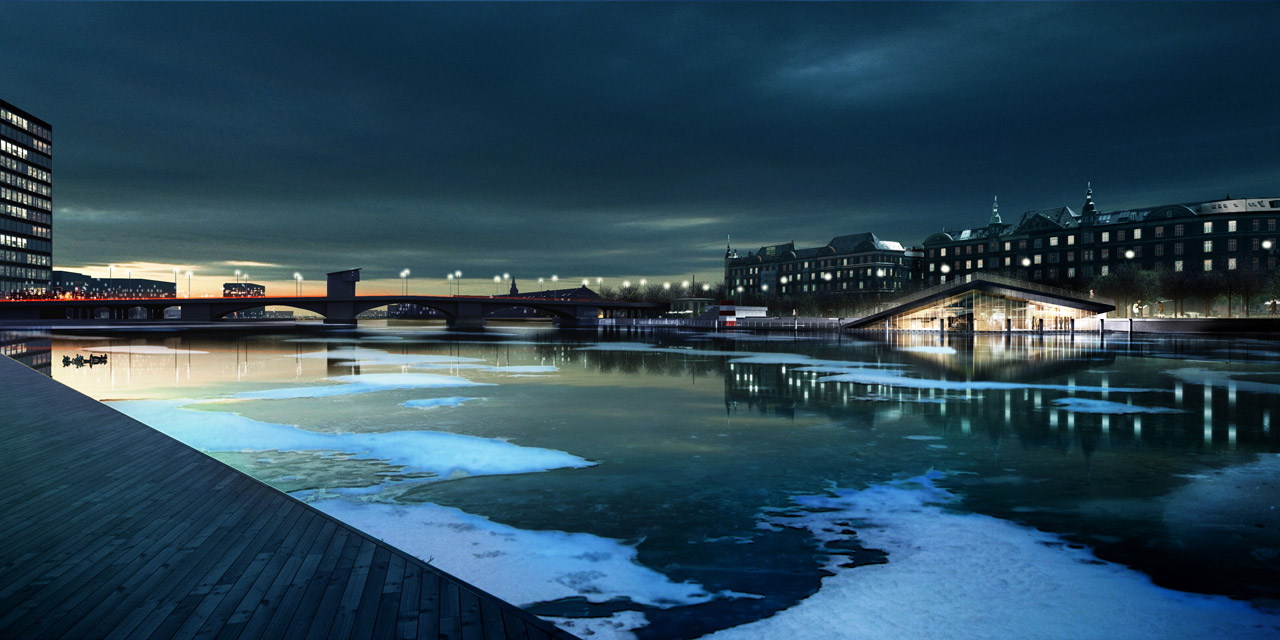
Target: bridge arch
x,y
222,309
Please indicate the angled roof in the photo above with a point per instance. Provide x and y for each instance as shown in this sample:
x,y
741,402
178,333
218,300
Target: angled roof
x,y
999,285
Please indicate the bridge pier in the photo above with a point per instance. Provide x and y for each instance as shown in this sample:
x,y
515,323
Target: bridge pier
x,y
469,316
583,317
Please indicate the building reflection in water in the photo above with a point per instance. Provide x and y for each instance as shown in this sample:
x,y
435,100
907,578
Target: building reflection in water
x,y
34,349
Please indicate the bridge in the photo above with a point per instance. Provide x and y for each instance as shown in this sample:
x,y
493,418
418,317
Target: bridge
x,y
340,306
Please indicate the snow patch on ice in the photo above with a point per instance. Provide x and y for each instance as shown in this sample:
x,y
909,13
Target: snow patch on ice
x,y
923,437
520,566
1090,405
1018,582
444,454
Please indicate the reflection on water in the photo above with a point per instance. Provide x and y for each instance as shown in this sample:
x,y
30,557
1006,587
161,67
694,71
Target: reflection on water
x,y
694,467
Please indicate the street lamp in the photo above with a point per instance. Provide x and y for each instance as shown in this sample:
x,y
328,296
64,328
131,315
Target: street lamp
x,y
297,284
496,281
237,276
666,285
458,276
189,284
404,282
1129,254
586,281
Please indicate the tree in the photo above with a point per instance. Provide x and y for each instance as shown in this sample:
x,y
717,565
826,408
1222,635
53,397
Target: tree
x,y
1273,291
1251,282
1128,284
1177,286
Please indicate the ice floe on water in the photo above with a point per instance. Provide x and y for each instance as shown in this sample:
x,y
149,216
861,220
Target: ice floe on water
x,y
1090,405
142,350
891,378
365,383
520,566
444,454
615,627
950,351
1217,378
961,575
433,403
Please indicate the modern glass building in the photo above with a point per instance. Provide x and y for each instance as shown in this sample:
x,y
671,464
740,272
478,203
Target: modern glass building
x,y
26,202
980,302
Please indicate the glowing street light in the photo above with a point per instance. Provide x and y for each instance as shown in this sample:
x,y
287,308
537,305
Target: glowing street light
x,y
706,287
643,282
666,285
946,268
626,284
497,280
297,284
586,281
404,281
1128,254
1026,262
1266,244
189,284
238,276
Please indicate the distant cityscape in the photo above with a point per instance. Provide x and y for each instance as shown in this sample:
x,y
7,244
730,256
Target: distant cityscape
x,y
1056,246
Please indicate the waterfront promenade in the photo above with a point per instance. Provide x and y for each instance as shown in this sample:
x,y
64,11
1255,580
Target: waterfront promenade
x,y
111,529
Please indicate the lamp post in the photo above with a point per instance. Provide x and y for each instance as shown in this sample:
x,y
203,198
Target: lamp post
x,y
297,284
404,282
449,282
457,275
189,284
497,282
237,276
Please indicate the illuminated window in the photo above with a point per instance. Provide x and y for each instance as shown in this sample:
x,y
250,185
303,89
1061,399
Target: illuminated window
x,y
1053,241
1177,265
1231,263
1208,228
1106,237
1208,246
1231,226
1137,234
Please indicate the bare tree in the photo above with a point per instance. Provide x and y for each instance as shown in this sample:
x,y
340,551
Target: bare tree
x,y
1177,286
1251,282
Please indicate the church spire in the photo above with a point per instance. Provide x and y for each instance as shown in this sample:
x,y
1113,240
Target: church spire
x,y
995,212
1089,210
728,248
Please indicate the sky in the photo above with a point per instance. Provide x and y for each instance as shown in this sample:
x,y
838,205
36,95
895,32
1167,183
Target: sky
x,y
614,140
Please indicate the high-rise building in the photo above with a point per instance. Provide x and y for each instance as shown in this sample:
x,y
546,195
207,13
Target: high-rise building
x,y
26,202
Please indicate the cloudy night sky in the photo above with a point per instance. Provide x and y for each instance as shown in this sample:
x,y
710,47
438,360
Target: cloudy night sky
x,y
613,139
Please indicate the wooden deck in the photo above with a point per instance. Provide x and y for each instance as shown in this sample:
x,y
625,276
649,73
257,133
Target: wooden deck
x,y
110,529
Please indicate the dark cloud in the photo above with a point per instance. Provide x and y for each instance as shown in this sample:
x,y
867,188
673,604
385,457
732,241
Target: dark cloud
x,y
619,139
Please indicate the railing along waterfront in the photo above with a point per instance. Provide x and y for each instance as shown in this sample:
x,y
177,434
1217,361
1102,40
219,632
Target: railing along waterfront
x,y
987,277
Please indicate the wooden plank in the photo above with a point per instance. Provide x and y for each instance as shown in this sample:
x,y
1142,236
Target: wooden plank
x,y
407,616
388,609
469,615
344,617
430,599
450,611
492,623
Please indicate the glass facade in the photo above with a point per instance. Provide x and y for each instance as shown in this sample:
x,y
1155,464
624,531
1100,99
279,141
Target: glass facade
x,y
26,203
977,310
